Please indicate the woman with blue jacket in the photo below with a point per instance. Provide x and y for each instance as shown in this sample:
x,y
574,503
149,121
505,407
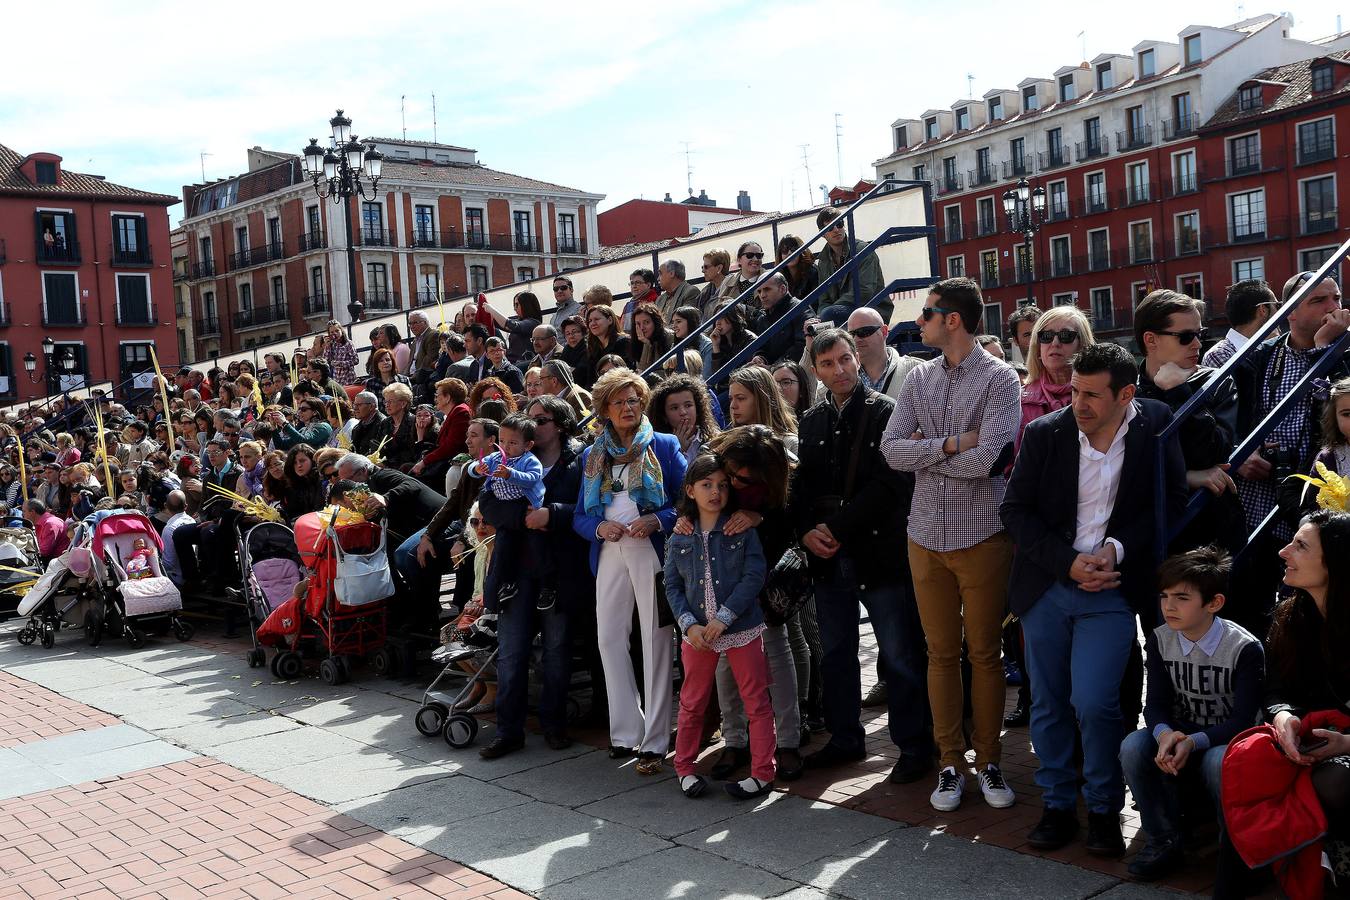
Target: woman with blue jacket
x,y
631,478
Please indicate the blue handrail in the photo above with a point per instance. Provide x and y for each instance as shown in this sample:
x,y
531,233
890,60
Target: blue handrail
x,y
1247,445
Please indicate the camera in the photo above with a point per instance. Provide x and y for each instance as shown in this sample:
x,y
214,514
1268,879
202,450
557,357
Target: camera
x,y
1283,462
815,328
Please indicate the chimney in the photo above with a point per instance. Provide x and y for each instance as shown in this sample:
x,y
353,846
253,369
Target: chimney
x,y
667,199
743,201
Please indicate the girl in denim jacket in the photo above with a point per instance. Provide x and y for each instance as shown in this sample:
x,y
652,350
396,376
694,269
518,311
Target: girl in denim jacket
x,y
713,584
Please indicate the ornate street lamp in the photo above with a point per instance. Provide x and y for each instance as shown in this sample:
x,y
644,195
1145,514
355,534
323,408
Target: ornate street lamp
x,y
1025,209
343,170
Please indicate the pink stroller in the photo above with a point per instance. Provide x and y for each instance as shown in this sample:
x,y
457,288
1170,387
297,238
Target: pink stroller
x,y
130,604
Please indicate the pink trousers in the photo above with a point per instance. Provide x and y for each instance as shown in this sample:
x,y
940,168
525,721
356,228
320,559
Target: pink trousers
x,y
751,668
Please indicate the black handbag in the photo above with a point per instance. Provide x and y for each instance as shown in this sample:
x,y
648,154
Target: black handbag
x,y
665,616
787,588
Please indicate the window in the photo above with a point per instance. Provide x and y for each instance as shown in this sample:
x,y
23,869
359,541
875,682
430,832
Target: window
x,y
1099,250
521,226
930,129
133,300
1136,132
993,320
316,281
1249,98
919,173
963,118
1096,192
1316,141
956,267
1321,78
312,220
1192,286
209,304
1092,134
60,299
1312,260
1017,154
1181,113
1029,99
377,284
567,233
1058,201
949,179
1104,78
372,224
951,216
1026,261
129,240
984,170
1191,49
989,268
1244,154
424,225
901,142
56,237
1054,146
1137,178
474,227
1103,311
274,235
246,298
1139,290
985,209
995,108
204,252
1319,205
1247,215
1141,242
1183,173
428,284
241,240
1248,269
1060,261
525,273
46,173
1067,90
478,278
278,291
1148,66
1188,233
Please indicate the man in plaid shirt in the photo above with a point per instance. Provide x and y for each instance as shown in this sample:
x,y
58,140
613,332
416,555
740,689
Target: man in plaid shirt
x,y
953,427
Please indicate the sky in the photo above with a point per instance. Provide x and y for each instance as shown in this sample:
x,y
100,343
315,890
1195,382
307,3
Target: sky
x,y
597,96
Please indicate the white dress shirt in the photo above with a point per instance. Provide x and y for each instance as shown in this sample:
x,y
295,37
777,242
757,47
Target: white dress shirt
x,y
1237,338
1098,484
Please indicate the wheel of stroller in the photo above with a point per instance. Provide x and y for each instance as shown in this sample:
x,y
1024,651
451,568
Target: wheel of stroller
x,y
256,658
27,635
430,719
344,664
330,670
93,627
183,629
289,665
460,730
48,636
385,662
272,666
135,638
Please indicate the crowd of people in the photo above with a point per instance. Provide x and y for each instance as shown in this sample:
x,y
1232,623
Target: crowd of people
x,y
622,511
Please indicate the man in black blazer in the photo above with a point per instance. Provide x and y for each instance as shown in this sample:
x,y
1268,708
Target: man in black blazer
x,y
1080,506
473,367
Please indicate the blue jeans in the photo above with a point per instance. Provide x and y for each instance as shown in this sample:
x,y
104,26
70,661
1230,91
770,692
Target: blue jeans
x,y
517,625
1156,792
1077,645
416,578
903,661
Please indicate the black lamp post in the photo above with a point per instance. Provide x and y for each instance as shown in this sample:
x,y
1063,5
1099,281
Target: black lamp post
x,y
1025,209
340,173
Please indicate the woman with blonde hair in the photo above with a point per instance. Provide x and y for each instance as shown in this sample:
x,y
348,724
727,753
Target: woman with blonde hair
x,y
1059,333
754,399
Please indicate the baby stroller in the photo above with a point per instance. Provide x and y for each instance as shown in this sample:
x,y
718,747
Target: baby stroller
x,y
438,713
66,595
341,614
269,568
132,603
18,551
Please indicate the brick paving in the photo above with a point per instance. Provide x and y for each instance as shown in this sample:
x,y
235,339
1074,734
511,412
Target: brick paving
x,y
29,713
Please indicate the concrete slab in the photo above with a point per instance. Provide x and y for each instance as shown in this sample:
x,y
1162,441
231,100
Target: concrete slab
x,y
583,779
431,807
659,808
677,872
206,736
78,744
468,762
390,729
270,752
81,672
173,712
119,761
20,776
369,774
917,862
359,703
783,835
536,845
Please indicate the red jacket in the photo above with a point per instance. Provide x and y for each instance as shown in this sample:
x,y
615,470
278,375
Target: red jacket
x,y
1270,808
450,442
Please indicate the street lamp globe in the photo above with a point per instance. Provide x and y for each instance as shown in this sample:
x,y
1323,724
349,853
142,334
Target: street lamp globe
x,y
68,360
1010,203
342,128
354,151
313,157
1023,190
29,362
374,163
1038,199
330,165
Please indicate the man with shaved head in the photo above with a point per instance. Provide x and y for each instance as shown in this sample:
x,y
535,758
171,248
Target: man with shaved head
x,y
880,366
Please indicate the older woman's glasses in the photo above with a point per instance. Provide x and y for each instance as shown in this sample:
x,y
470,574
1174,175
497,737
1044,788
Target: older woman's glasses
x,y
1064,335
625,403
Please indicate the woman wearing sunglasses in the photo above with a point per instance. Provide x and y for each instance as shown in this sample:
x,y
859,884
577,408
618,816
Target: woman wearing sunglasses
x,y
1059,333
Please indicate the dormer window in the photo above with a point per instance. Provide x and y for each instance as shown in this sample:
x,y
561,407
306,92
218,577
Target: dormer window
x,y
46,172
1105,80
962,118
995,108
1191,49
901,141
930,129
1321,78
1148,66
1249,98
1067,90
1029,99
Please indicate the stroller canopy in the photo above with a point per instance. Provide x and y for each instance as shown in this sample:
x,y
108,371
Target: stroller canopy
x,y
126,521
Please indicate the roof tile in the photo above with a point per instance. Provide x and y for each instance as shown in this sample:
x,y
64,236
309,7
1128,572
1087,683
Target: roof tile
x,y
12,181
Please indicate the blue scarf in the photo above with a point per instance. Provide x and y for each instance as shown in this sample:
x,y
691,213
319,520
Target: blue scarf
x,y
642,479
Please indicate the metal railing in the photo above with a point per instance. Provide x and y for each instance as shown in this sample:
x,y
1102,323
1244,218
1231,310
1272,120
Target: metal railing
x,y
1187,183
204,269
4,257
1134,138
261,315
130,256
381,301
1138,193
1085,150
312,240
1319,221
572,246
368,236
1016,168
58,251
1180,127
315,305
64,319
948,184
1322,148
982,175
206,326
137,314
1052,158
1167,530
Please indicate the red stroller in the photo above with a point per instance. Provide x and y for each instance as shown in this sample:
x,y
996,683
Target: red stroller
x,y
341,614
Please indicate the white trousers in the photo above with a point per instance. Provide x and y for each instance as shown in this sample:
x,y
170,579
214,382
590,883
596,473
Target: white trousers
x,y
626,577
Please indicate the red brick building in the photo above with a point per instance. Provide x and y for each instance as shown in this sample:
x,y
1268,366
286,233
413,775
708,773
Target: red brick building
x,y
267,257
640,221
84,262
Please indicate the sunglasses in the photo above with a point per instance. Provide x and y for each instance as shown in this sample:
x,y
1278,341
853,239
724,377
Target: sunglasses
x,y
837,226
474,523
543,420
1188,336
737,478
328,473
930,311
864,332
753,255
559,288
1065,335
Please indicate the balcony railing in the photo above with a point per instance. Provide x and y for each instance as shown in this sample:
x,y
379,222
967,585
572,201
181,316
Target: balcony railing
x,y
989,278
987,226
1086,150
257,256
1180,127
63,318
1319,221
1099,260
984,175
1186,183
207,326
3,256
953,232
1057,212
58,251
1317,151
1134,138
1252,231
1138,193
312,240
427,298
1093,204
571,245
183,275
1052,158
1062,267
136,314
948,184
1188,242
315,305
130,256
381,300
261,315
426,238
1016,168
205,269
374,237
1143,252
1018,274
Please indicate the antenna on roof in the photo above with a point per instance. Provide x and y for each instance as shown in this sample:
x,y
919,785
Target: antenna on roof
x,y
403,111
203,155
970,87
434,138
688,166
838,153
1082,39
806,164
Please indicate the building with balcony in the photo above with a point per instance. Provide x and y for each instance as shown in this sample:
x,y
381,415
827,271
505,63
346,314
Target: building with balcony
x,y
85,262
267,257
1128,149
639,221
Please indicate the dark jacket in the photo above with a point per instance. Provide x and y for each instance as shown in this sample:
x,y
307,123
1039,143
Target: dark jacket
x,y
401,448
870,282
1040,506
366,436
1252,387
875,512
469,370
409,504
788,342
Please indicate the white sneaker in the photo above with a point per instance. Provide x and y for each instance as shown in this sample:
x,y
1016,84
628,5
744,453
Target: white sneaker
x,y
996,791
950,786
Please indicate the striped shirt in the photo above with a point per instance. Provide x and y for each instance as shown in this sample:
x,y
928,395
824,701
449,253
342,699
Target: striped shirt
x,y
956,498
1284,368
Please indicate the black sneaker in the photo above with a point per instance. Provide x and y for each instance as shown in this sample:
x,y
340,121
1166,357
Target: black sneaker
x,y
833,755
1056,828
910,767
547,597
501,746
557,740
1020,717
729,761
1158,859
1104,837
505,592
876,696
790,763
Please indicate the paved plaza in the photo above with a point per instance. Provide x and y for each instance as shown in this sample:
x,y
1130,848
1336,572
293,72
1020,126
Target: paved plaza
x,y
177,771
